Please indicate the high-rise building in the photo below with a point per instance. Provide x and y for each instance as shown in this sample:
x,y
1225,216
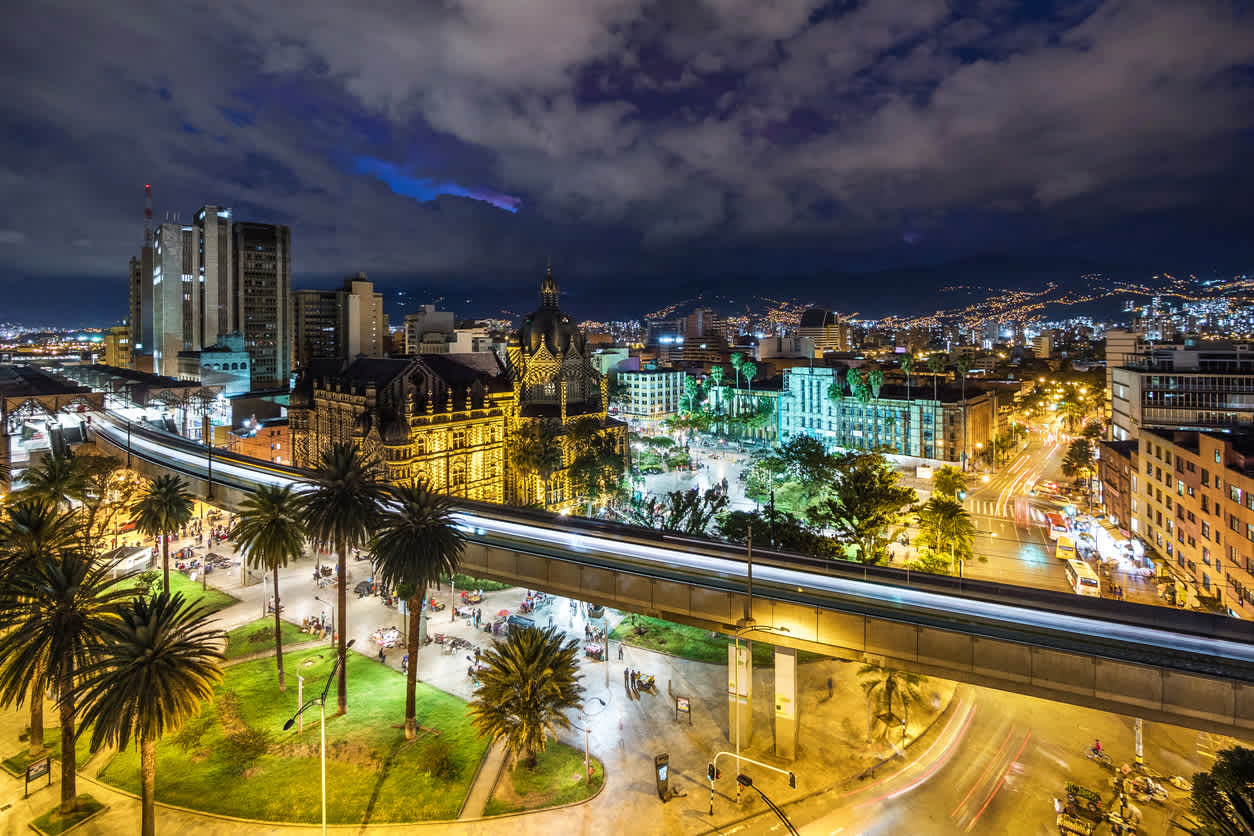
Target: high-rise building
x,y
341,324
315,326
140,320
173,324
825,330
214,262
260,306
365,326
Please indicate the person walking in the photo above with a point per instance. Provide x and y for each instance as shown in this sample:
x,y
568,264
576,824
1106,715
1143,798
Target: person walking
x,y
829,687
620,651
626,679
382,656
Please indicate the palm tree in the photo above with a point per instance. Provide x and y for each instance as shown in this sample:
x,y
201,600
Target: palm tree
x,y
716,374
535,449
750,371
32,530
161,510
526,690
159,662
907,366
270,530
340,511
57,611
936,365
58,478
887,683
943,522
416,544
737,361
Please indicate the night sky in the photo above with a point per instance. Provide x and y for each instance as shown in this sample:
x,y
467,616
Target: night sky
x,y
676,145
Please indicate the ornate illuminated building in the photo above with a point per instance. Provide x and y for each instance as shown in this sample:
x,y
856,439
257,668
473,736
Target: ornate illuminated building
x,y
442,417
555,384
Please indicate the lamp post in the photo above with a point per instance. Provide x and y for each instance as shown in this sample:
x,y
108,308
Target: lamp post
x,y
321,700
583,716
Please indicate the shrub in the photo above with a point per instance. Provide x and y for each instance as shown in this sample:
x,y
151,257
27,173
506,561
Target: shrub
x,y
437,761
242,748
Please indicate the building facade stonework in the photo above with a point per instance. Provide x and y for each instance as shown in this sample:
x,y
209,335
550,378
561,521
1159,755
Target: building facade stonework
x,y
555,383
440,419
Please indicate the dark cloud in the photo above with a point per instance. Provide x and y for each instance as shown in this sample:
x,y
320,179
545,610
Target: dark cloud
x,y
629,135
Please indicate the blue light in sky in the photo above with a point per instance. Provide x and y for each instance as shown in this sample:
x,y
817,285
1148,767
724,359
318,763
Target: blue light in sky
x,y
425,189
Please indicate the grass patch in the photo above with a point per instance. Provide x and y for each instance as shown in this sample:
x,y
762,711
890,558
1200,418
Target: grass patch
x,y
17,764
556,780
55,822
695,643
258,635
235,758
214,599
467,582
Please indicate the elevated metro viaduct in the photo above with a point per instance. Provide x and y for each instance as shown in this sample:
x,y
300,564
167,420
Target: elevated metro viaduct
x,y
1183,668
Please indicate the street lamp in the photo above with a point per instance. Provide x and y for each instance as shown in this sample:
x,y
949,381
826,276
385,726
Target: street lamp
x,y
583,716
321,700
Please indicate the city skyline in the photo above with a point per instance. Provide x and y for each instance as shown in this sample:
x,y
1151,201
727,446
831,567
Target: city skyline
x,y
791,141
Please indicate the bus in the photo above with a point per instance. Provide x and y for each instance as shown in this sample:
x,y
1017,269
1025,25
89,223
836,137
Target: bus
x,y
1082,578
1056,523
1065,549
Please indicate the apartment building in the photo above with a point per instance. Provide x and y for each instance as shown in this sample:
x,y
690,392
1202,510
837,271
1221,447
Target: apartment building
x,y
651,394
1192,503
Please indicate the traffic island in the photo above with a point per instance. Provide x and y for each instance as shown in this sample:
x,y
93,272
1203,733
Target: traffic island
x,y
55,822
16,765
557,780
235,759
693,643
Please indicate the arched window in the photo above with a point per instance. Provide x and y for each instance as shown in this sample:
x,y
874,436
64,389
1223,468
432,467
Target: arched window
x,y
420,445
458,475
459,439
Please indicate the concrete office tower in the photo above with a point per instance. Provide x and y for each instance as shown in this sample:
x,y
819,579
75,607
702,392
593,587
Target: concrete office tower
x,y
260,307
427,321
214,261
315,326
339,323
173,296
365,327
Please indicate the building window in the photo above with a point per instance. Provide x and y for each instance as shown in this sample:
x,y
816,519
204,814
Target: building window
x,y
1205,478
1234,493
1218,456
1206,530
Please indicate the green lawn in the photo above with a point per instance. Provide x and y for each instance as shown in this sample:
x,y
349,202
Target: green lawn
x,y
54,823
259,635
214,599
371,774
694,643
557,779
467,582
52,743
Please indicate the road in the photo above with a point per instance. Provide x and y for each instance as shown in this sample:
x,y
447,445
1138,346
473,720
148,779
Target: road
x,y
995,767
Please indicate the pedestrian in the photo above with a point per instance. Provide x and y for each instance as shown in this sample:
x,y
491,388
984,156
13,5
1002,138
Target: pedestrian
x,y
626,678
620,651
476,653
405,663
634,677
382,656
829,687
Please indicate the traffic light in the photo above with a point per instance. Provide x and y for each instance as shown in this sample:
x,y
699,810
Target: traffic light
x,y
744,780
792,780
710,771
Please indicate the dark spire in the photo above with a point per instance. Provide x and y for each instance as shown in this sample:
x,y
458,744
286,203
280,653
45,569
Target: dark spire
x,y
548,289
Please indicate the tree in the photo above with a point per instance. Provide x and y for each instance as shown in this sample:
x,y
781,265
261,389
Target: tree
x,y
945,526
882,685
749,371
161,510
948,480
864,505
57,610
270,530
159,661
340,511
33,529
109,487
527,688
57,478
596,469
936,365
784,532
1079,458
417,543
907,366
535,450
716,376
1222,800
737,362
689,511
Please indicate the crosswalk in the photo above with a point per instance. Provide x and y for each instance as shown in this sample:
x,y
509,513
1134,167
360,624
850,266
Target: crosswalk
x,y
982,507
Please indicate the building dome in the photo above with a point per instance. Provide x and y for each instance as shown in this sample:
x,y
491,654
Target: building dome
x,y
548,326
